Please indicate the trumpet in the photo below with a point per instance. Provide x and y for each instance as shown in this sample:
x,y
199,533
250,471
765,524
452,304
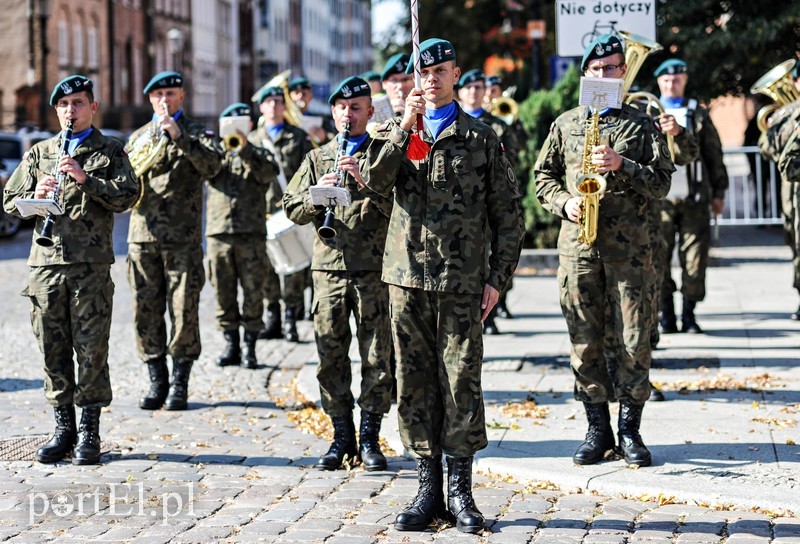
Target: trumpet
x,y
232,143
505,108
326,231
45,238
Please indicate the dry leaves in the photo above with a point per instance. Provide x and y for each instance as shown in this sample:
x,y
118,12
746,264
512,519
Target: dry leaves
x,y
722,382
528,409
780,423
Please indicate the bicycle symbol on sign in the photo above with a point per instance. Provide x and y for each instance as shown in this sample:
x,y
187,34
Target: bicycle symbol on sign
x,y
598,29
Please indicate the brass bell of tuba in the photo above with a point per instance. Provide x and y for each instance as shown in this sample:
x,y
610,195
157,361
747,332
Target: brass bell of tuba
x,y
779,86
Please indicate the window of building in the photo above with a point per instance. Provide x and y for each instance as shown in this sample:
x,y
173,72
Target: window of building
x,y
77,41
263,13
92,48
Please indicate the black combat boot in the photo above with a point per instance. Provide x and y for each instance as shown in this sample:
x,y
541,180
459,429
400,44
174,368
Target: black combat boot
x,y
87,451
502,308
428,505
272,329
688,322
599,437
250,360
159,385
369,449
630,442
231,354
344,444
667,322
290,325
459,495
489,326
179,388
64,437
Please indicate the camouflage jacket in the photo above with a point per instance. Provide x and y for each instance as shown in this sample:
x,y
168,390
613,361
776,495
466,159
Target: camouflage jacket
x,y
83,233
235,203
448,209
711,180
360,227
507,135
777,135
292,145
789,159
645,174
171,209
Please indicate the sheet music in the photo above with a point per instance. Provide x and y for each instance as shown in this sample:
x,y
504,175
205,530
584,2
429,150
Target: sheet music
x,y
330,196
29,207
680,115
601,92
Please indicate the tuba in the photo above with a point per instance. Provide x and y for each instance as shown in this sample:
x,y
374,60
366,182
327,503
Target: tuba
x,y
293,115
591,185
637,49
779,86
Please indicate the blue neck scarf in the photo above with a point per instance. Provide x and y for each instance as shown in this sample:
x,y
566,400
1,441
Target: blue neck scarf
x,y
439,119
353,143
78,139
475,113
672,103
176,116
274,131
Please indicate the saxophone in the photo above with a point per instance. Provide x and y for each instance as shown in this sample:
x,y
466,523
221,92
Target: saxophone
x,y
591,185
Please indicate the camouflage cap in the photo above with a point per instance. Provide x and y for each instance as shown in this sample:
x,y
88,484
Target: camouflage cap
x,y
396,64
273,91
671,67
433,51
235,110
471,76
352,87
299,83
70,84
602,46
164,80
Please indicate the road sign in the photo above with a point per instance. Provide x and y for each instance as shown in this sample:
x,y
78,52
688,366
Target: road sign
x,y
578,22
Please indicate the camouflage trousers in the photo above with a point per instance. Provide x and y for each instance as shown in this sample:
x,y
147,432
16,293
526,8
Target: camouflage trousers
x,y
166,277
438,341
233,260
658,246
607,306
689,221
337,296
790,201
294,286
71,312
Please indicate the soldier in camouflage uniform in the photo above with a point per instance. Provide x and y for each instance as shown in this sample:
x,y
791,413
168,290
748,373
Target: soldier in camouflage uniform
x,y
235,231
685,214
449,207
607,280
346,270
70,285
773,143
165,255
289,144
471,90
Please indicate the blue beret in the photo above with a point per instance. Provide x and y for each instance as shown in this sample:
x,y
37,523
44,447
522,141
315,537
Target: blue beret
x,y
602,46
796,70
370,75
299,83
493,80
472,76
235,110
163,80
433,51
69,85
396,64
270,91
671,67
352,87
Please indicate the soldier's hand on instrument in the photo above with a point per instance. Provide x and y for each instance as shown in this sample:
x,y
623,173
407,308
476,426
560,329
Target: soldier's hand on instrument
x,y
669,125
45,187
169,126
415,105
328,180
572,209
489,300
70,166
350,165
605,159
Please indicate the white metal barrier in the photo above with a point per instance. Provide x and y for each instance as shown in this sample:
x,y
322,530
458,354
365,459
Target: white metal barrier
x,y
753,198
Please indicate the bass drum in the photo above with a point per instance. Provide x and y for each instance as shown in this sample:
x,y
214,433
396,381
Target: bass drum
x,y
289,245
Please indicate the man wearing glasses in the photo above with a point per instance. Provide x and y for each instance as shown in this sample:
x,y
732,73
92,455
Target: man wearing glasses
x,y
605,286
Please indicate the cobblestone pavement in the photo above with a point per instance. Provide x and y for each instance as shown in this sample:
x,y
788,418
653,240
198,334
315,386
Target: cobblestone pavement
x,y
235,468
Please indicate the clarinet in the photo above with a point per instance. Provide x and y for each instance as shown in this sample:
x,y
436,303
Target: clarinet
x,y
326,231
45,238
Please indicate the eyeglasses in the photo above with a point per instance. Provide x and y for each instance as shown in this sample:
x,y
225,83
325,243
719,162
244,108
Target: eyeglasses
x,y
607,69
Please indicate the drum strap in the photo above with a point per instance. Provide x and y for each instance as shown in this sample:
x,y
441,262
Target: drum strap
x,y
268,144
